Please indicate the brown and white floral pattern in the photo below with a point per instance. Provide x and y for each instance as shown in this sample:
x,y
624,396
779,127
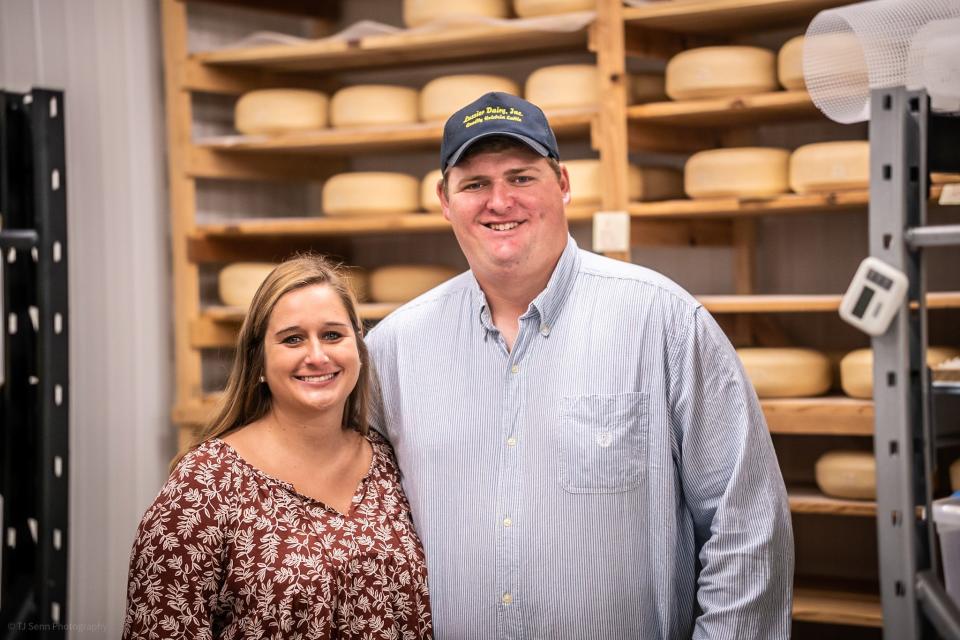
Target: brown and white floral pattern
x,y
226,551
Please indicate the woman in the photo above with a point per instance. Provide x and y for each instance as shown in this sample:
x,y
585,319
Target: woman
x,y
287,520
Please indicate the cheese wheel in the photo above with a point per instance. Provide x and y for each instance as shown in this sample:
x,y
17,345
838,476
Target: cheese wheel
x,y
786,373
533,8
373,104
404,282
648,183
563,86
238,282
790,65
830,166
746,172
856,369
955,475
419,12
647,87
442,97
370,192
428,192
847,474
715,72
272,111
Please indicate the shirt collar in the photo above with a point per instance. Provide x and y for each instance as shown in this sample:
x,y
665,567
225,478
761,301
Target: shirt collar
x,y
548,302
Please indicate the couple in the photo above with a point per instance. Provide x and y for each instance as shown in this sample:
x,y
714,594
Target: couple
x,y
581,451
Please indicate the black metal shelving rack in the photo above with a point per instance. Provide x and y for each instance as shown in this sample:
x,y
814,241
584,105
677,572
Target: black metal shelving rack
x,y
35,394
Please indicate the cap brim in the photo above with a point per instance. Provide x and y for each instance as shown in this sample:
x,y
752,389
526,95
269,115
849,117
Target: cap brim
x,y
530,142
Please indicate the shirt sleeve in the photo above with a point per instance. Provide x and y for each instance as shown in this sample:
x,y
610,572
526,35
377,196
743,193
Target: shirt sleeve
x,y
176,566
733,490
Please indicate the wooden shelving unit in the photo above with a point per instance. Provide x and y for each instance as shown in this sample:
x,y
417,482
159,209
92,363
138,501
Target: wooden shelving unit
x,y
613,129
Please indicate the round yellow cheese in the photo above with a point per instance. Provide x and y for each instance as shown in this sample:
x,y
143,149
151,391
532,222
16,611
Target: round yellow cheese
x,y
745,172
419,12
714,72
370,192
786,373
533,8
648,183
429,200
790,64
856,369
847,474
273,111
563,86
373,104
238,282
442,97
404,282
647,87
830,166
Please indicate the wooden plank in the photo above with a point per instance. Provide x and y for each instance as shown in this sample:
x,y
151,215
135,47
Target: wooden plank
x,y
788,203
186,280
421,135
725,16
320,226
831,415
811,500
230,81
727,112
325,10
803,303
209,163
264,248
447,45
837,607
683,233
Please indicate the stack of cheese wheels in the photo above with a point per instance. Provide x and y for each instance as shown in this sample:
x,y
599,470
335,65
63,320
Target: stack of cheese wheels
x,y
856,369
370,192
563,86
441,97
373,104
647,87
847,474
238,282
745,172
534,8
273,111
429,201
790,65
420,12
716,72
830,166
786,373
586,182
404,282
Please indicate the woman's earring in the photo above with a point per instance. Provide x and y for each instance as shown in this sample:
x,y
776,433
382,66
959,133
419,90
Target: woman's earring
x,y
262,379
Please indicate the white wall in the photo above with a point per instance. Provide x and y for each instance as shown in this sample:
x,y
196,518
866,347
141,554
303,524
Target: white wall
x,y
105,54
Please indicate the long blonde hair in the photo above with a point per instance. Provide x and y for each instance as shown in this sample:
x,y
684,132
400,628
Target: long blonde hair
x,y
245,399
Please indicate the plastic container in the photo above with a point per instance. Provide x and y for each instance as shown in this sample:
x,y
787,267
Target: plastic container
x,y
946,515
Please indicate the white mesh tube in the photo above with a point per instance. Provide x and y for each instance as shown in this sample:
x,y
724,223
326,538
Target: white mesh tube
x,y
850,50
934,64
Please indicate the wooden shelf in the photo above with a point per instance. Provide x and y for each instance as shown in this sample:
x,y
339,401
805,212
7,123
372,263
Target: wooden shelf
x,y
724,16
829,416
830,606
811,500
804,303
400,49
727,112
788,203
422,135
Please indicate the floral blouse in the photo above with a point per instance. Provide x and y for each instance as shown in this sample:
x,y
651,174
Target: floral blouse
x,y
226,551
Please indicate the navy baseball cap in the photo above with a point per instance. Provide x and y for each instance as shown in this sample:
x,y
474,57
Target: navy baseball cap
x,y
496,114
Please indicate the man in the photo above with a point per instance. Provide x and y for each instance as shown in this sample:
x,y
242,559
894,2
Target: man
x,y
582,452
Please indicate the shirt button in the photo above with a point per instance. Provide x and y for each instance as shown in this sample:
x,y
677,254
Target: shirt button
x,y
506,599
507,522
511,441
514,369
544,330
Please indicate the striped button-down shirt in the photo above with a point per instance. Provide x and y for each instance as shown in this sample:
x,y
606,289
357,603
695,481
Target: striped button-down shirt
x,y
611,476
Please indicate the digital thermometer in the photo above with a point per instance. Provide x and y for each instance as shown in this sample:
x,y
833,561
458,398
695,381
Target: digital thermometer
x,y
874,296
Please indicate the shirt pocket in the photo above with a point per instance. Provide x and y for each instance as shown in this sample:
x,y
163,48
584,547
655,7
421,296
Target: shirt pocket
x,y
602,442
